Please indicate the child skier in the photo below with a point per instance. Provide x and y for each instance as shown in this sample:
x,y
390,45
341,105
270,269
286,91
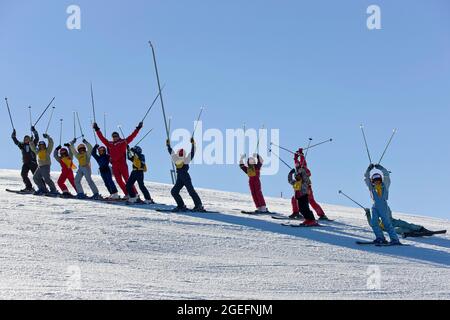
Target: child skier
x,y
65,158
253,171
379,191
83,155
103,159
182,160
300,162
28,157
137,175
300,182
42,176
117,149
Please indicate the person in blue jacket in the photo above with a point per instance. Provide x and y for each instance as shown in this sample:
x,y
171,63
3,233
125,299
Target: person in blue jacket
x,y
102,157
379,191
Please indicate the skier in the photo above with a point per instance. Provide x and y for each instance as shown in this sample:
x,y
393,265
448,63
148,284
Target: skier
x,y
379,191
42,176
182,160
300,162
28,157
102,157
253,171
299,180
117,150
65,158
137,175
83,154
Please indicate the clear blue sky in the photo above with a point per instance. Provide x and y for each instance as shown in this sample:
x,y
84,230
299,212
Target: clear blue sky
x,y
309,68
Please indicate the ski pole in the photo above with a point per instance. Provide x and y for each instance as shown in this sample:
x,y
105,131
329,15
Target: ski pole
x,y
121,131
29,114
104,123
49,120
365,142
198,119
43,112
357,203
79,124
282,148
318,144
74,126
144,136
162,105
60,130
308,147
387,146
285,163
93,104
257,143
9,112
153,103
95,136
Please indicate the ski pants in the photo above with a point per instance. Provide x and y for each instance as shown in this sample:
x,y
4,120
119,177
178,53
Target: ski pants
x,y
42,177
303,205
317,208
108,180
256,191
382,213
137,176
120,171
87,174
66,174
184,180
26,168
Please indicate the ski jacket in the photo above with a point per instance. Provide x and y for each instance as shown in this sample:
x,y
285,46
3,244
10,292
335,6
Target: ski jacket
x,y
182,163
84,159
28,156
102,160
138,161
117,150
301,187
65,162
252,171
379,200
43,156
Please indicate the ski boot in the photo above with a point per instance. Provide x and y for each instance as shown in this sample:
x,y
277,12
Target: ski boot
x,y
96,197
199,209
310,223
380,241
81,196
180,209
324,218
149,201
295,216
39,192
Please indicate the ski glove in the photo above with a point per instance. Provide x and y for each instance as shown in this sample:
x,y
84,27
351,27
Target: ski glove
x,y
140,125
371,166
85,141
67,145
45,135
73,141
58,147
192,141
168,142
13,135
95,126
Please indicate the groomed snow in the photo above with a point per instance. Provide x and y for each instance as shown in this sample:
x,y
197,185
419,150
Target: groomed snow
x,y
70,249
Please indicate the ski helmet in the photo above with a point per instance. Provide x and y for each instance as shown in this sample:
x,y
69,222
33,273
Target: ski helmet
x,y
42,143
27,138
102,149
63,151
251,161
137,149
81,147
377,176
181,153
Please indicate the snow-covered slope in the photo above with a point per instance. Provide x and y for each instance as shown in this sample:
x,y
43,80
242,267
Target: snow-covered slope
x,y
56,248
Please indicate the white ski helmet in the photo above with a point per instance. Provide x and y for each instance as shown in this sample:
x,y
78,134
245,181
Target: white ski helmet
x,y
251,161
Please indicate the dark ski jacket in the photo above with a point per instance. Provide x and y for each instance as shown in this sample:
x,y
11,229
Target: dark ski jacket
x,y
102,160
28,156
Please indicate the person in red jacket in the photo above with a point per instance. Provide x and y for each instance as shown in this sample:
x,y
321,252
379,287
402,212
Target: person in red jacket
x,y
65,158
118,150
253,171
300,162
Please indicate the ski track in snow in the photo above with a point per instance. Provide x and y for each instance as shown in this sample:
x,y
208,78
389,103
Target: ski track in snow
x,y
127,252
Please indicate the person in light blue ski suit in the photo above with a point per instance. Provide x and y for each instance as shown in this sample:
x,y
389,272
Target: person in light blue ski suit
x,y
379,191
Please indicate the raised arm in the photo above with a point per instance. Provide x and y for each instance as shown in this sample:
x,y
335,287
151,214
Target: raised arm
x,y
94,152
131,137
88,148
367,177
35,137
50,144
260,160
100,135
14,139
290,179
56,155
242,165
191,155
386,174
72,150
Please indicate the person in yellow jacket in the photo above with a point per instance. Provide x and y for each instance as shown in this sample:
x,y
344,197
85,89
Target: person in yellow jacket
x,y
83,154
42,176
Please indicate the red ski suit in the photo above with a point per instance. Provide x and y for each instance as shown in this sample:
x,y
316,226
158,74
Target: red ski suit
x,y
117,151
66,174
254,182
317,208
